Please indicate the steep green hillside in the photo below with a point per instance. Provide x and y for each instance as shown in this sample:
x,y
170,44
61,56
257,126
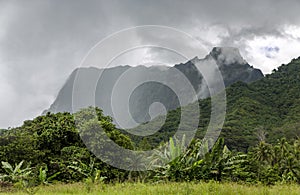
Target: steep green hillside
x,y
268,108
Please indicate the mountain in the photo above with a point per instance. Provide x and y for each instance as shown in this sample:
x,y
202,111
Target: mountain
x,y
85,87
267,109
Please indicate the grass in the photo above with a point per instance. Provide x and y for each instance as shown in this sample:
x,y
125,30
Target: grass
x,y
165,188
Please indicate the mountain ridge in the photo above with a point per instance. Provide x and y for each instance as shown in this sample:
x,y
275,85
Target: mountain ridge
x,y
146,94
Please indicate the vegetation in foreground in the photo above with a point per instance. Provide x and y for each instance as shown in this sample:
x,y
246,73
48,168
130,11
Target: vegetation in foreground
x,y
49,149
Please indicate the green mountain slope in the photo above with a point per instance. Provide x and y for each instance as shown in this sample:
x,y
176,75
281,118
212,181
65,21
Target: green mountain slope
x,y
269,107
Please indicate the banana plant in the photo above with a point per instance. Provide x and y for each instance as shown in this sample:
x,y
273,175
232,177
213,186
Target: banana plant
x,y
89,171
168,152
15,174
43,176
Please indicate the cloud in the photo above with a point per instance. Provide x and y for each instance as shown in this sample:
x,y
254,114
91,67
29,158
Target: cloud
x,y
287,50
269,51
41,42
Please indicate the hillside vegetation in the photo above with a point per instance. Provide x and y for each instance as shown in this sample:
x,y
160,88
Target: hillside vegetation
x,y
267,109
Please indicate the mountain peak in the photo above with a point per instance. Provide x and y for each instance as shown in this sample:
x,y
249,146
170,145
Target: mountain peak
x,y
227,55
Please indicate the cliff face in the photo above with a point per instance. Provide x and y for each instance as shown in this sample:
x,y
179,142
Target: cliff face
x,y
91,90
233,67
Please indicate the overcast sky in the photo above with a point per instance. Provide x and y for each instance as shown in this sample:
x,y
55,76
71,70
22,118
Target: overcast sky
x,y
42,41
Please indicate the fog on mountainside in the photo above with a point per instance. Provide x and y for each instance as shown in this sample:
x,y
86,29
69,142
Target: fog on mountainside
x,y
109,88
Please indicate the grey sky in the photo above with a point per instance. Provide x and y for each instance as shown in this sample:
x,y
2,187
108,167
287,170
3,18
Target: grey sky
x,y
41,42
